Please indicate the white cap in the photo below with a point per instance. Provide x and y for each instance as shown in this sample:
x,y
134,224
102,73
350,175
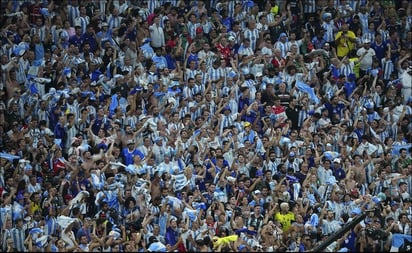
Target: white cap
x,y
231,38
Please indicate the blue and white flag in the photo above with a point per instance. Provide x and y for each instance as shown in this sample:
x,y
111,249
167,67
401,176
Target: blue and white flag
x,y
33,89
140,182
396,148
67,72
331,181
199,205
314,220
35,232
401,243
284,140
296,190
331,155
307,89
180,181
44,12
312,199
181,164
17,211
19,51
192,214
41,242
131,169
157,247
174,202
113,104
8,156
65,221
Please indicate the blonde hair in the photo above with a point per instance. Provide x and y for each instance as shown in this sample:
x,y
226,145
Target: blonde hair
x,y
284,205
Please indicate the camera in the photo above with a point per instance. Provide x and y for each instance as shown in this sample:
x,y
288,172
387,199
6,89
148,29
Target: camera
x,y
376,234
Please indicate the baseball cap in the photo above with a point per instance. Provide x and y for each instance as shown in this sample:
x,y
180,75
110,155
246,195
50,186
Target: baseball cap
x,y
393,203
199,30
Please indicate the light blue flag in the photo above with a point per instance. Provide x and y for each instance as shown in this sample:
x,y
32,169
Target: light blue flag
x,y
147,50
312,199
19,50
296,190
231,74
41,242
97,182
17,210
307,89
314,220
331,155
140,182
123,104
44,12
113,104
67,72
397,148
331,180
400,241
192,214
284,140
8,156
199,205
174,202
58,142
157,247
108,72
150,169
131,169
34,231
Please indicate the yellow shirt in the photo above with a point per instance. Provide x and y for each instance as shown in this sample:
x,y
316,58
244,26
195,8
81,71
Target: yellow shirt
x,y
285,220
34,208
343,44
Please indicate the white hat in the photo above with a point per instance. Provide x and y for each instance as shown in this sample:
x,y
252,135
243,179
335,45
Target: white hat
x,y
366,41
231,38
336,160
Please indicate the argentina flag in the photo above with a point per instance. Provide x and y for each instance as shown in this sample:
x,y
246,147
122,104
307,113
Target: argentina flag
x,y
192,214
174,202
307,89
180,181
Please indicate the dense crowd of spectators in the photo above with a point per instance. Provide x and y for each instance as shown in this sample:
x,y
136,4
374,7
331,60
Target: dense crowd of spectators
x,y
186,126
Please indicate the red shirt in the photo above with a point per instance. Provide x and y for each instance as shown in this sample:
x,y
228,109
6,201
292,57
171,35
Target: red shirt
x,y
224,51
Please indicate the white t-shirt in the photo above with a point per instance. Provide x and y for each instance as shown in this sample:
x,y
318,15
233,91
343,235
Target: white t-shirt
x,y
367,60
